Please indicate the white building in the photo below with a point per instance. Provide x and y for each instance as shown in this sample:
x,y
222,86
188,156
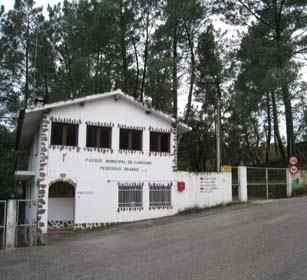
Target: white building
x,y
99,159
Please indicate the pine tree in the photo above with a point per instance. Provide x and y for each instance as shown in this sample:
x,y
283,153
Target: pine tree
x,y
285,21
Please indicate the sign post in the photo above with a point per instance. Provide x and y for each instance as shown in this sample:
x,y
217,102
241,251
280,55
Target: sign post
x,y
294,171
293,160
293,165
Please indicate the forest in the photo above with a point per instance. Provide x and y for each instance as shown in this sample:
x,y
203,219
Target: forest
x,y
234,64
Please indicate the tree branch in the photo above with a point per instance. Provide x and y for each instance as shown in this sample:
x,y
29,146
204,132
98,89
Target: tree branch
x,y
300,51
256,15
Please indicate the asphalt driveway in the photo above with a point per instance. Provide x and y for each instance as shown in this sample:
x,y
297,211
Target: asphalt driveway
x,y
265,241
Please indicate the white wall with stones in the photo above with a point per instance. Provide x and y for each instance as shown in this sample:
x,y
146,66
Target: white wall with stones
x,y
96,173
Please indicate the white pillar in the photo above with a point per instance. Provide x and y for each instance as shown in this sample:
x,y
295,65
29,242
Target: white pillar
x,y
146,141
242,180
228,175
11,223
82,135
289,183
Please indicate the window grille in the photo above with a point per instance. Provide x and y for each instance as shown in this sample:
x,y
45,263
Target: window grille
x,y
64,134
130,196
130,139
98,137
160,195
159,142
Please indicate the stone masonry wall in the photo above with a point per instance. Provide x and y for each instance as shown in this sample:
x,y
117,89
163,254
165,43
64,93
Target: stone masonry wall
x,y
41,182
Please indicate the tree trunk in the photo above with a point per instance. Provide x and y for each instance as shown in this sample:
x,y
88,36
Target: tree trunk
x,y
283,82
21,115
145,57
269,129
174,72
276,127
289,121
123,47
96,79
192,76
137,69
46,97
218,126
102,72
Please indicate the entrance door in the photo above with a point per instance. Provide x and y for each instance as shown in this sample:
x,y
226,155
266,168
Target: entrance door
x,y
61,205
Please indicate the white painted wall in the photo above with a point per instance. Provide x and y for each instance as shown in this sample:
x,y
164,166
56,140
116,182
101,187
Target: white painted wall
x,y
203,190
96,178
96,198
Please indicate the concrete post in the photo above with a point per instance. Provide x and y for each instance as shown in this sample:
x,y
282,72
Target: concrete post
x,y
11,224
242,180
267,183
289,183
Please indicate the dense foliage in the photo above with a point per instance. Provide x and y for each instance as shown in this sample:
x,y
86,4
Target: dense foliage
x,y
164,49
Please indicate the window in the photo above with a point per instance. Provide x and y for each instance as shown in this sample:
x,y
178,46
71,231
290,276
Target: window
x,y
130,139
64,134
159,195
159,142
130,195
98,137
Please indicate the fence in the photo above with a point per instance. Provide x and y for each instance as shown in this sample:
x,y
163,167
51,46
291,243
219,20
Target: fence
x,y
26,223
2,223
266,183
235,183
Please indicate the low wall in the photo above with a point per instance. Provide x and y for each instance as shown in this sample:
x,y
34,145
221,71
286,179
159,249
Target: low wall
x,y
100,206
203,190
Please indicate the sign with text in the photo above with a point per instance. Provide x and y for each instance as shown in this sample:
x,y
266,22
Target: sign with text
x,y
227,168
293,165
293,160
119,165
208,184
293,170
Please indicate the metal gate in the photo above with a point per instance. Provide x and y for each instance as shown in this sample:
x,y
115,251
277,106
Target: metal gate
x,y
2,223
235,183
266,183
26,223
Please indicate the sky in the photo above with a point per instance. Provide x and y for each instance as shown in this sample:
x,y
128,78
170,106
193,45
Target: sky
x,y
8,4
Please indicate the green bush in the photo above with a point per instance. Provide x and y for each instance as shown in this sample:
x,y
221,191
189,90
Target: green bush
x,y
7,161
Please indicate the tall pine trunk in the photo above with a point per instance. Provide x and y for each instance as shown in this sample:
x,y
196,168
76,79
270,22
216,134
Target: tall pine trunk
x,y
192,75
276,127
123,47
135,93
145,56
174,71
289,120
269,129
22,112
283,82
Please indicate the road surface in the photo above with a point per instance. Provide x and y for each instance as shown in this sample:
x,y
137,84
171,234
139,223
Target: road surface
x,y
266,241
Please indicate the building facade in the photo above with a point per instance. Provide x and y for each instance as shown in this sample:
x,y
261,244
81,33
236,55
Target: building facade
x,y
100,159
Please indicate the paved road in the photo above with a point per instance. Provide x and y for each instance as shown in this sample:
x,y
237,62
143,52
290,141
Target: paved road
x,y
266,241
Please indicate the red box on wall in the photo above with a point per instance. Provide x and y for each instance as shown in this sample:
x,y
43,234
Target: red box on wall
x,y
180,186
